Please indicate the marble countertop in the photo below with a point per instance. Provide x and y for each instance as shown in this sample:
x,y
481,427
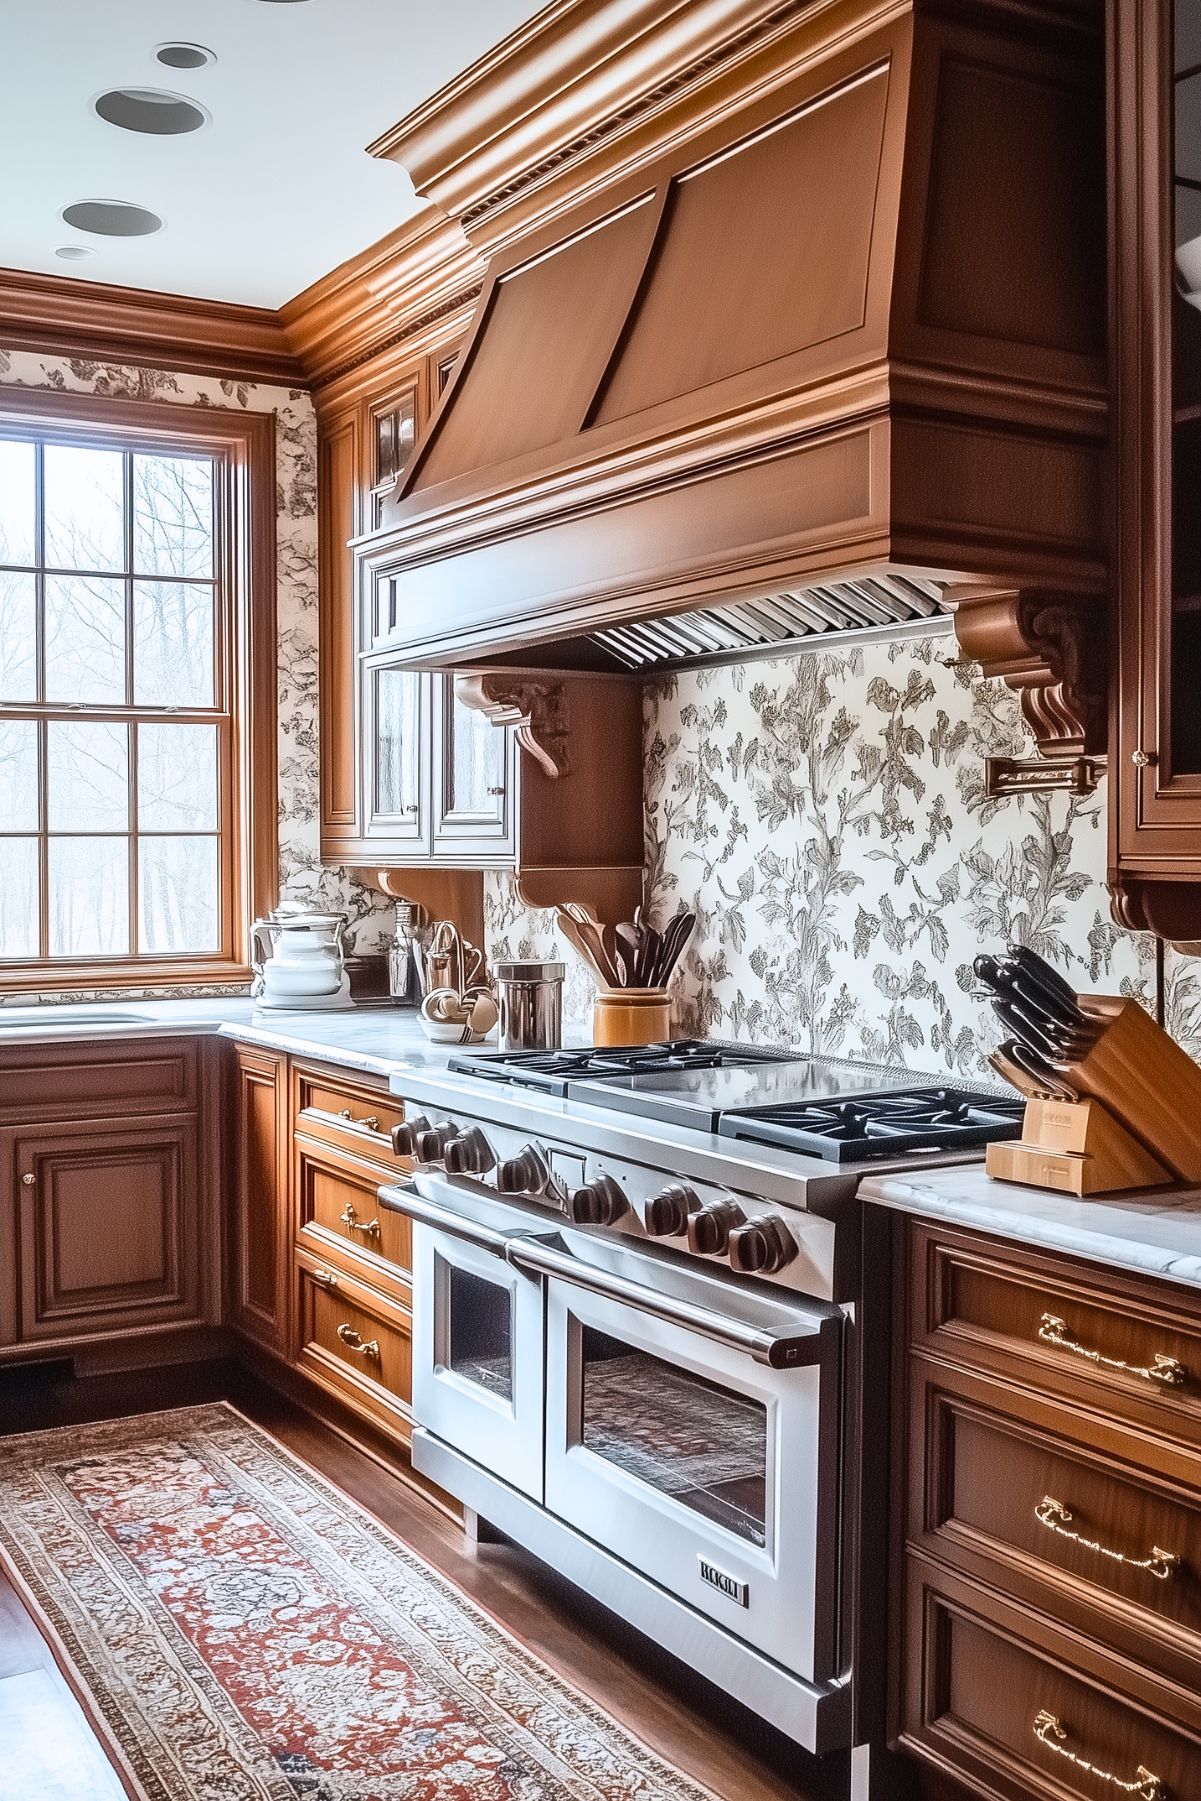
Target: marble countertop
x,y
1155,1232
377,1040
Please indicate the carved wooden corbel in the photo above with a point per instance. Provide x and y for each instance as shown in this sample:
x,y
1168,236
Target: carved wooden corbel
x,y
1052,649
535,707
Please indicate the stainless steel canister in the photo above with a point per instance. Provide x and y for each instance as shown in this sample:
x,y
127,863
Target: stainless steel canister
x,y
529,995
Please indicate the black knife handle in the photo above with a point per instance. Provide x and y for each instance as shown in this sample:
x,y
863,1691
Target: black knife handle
x,y
1019,1025
1038,996
1041,970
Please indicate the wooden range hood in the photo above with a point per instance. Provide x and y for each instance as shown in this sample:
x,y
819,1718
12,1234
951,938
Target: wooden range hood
x,y
811,304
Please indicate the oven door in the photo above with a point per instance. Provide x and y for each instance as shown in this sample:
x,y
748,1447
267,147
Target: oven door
x,y
693,1430
478,1343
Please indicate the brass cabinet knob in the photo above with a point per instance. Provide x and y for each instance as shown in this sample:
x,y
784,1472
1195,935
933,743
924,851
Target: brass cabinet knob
x,y
28,1180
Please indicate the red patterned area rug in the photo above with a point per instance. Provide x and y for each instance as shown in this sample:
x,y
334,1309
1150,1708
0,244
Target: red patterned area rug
x,y
242,1631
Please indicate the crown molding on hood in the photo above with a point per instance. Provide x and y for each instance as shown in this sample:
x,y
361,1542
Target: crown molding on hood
x,y
419,282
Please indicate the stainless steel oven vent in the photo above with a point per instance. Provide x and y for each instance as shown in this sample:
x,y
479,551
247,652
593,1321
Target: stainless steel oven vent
x,y
876,606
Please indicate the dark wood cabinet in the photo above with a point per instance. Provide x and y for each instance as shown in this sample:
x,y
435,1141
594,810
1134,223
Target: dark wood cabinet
x,y
107,1162
1046,1632
259,1268
1155,134
108,1228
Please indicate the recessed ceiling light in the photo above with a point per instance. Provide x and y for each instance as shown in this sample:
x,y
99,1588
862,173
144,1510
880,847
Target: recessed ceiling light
x,y
150,110
111,218
185,56
74,253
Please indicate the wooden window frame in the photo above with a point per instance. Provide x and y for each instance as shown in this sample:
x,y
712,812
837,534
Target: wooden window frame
x,y
242,446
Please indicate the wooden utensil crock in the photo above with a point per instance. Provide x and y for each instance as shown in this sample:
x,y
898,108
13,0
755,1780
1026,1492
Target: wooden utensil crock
x,y
631,1016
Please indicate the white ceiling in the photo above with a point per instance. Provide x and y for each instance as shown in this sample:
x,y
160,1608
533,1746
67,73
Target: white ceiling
x,y
276,189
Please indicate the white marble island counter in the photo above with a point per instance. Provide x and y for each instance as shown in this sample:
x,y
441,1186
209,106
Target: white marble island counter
x,y
1155,1232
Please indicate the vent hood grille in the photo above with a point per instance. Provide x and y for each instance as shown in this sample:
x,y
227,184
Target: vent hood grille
x,y
890,605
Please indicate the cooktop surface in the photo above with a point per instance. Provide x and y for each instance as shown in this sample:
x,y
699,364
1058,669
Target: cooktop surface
x,y
700,1097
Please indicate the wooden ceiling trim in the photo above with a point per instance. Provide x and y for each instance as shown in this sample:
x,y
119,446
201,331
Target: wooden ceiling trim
x,y
59,315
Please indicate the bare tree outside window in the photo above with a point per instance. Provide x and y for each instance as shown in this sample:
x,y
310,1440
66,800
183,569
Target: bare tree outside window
x,y
114,724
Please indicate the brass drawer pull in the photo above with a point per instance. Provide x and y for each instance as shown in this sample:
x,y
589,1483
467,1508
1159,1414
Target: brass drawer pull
x,y
352,1222
362,1347
1049,1732
369,1122
1055,1517
325,1277
1055,1331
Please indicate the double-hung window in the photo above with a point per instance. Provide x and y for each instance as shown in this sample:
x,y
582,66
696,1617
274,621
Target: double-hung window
x,y
131,769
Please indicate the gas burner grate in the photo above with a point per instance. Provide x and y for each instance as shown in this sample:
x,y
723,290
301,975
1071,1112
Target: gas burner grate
x,y
552,1070
887,1125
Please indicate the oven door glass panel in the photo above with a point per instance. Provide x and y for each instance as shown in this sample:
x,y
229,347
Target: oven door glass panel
x,y
478,1356
694,1439
479,1331
710,1473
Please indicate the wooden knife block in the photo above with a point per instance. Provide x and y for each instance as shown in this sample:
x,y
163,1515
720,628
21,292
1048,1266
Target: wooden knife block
x,y
1136,1125
1075,1147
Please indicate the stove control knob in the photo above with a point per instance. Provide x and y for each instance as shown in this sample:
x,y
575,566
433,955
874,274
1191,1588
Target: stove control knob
x,y
405,1135
432,1143
709,1230
470,1154
524,1174
762,1247
599,1203
667,1212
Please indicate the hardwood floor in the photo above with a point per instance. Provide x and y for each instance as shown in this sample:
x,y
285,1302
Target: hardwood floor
x,y
682,1717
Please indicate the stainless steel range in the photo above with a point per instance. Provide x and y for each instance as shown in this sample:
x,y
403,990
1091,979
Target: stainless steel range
x,y
634,1286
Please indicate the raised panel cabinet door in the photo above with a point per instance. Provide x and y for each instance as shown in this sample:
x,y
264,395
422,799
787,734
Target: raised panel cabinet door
x,y
108,1228
396,705
261,1259
473,777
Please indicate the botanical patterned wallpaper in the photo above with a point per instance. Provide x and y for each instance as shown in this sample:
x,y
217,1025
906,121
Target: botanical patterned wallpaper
x,y
301,873
825,815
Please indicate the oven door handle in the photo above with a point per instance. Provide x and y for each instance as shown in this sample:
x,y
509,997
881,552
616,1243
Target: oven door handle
x,y
412,1199
778,1350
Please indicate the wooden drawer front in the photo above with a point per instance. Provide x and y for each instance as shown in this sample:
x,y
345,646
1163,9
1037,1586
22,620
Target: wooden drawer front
x,y
354,1116
356,1341
977,1686
108,1229
104,1080
339,1214
1001,1476
1126,1350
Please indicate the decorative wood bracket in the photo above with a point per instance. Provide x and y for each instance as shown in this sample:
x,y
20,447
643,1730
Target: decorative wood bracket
x,y
535,708
1052,649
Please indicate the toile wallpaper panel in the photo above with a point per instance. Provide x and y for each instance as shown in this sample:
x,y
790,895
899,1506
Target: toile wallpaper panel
x,y
825,815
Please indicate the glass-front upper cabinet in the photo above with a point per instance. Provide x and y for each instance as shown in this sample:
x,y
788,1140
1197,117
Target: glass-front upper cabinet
x,y
1155,173
396,712
473,776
